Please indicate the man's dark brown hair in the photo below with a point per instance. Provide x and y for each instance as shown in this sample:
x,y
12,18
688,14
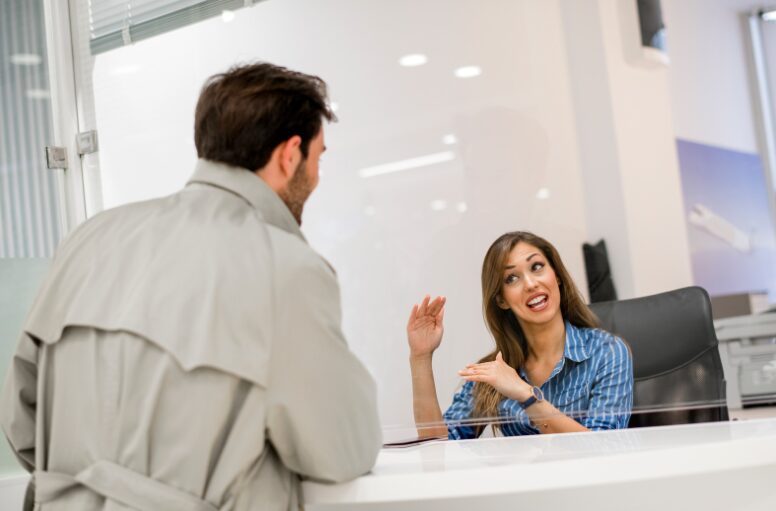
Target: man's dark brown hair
x,y
245,113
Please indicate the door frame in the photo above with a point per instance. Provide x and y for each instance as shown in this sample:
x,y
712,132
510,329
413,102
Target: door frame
x,y
64,110
764,112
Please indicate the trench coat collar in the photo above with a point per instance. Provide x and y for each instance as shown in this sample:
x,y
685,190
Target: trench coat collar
x,y
252,188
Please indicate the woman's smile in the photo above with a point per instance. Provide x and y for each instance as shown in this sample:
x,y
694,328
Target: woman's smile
x,y
530,286
538,302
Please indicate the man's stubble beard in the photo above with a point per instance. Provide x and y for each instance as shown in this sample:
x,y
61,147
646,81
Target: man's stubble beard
x,y
298,191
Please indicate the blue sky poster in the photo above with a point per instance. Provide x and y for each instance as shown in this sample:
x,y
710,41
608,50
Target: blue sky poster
x,y
729,224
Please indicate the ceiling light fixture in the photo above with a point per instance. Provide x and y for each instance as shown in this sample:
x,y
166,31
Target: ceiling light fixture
x,y
438,205
468,71
768,15
126,70
543,193
413,60
449,139
227,15
38,94
26,59
411,163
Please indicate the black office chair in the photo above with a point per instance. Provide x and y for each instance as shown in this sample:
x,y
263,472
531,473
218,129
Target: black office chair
x,y
678,375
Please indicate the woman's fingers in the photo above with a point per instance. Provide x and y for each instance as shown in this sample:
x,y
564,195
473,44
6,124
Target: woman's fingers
x,y
413,315
436,306
422,310
441,316
429,309
475,377
476,370
482,365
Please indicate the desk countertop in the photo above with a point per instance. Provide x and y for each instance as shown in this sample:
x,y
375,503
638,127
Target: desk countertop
x,y
548,463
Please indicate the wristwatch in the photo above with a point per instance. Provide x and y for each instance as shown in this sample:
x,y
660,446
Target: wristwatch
x,y
536,396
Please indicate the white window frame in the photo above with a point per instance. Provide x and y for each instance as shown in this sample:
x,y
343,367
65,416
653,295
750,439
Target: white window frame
x,y
64,110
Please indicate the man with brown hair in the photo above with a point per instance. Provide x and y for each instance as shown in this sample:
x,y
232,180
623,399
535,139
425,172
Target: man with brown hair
x,y
186,352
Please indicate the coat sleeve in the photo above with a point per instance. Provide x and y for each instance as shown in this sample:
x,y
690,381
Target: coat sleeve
x,y
18,402
322,411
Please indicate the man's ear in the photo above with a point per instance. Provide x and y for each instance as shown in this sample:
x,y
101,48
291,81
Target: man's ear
x,y
290,154
282,164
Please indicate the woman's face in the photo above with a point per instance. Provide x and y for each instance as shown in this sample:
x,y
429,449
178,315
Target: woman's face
x,y
529,286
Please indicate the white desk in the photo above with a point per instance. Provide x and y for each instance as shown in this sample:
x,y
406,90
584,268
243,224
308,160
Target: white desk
x,y
727,466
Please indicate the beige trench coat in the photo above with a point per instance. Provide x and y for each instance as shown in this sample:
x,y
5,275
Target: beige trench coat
x,y
185,353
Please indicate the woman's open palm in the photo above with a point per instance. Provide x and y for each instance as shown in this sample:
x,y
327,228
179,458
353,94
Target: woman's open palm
x,y
425,326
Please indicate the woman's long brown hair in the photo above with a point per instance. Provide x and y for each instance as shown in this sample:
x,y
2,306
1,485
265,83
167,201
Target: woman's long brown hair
x,y
504,326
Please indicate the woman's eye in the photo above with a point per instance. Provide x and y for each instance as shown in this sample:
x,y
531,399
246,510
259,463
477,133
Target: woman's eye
x,y
537,266
511,279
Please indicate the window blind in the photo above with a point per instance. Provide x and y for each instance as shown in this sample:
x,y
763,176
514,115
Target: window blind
x,y
30,207
115,23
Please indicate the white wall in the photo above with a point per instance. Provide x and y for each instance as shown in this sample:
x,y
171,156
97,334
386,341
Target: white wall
x,y
649,164
627,151
711,94
715,102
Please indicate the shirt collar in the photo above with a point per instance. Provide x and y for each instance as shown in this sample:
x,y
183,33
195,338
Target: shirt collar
x,y
576,347
250,187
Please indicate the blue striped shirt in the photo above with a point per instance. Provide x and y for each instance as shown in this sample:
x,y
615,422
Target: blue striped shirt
x,y
592,383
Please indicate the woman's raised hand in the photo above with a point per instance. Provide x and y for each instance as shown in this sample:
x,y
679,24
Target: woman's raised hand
x,y
500,376
425,326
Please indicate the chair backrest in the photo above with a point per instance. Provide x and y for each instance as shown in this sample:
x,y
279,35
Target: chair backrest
x,y
678,376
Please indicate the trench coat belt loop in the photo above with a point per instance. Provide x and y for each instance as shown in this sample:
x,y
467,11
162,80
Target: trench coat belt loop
x,y
119,484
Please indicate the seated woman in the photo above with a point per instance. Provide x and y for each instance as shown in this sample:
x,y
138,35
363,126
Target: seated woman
x,y
552,370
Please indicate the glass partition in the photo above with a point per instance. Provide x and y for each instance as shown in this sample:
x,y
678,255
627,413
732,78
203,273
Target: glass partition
x,y
427,166
457,124
30,207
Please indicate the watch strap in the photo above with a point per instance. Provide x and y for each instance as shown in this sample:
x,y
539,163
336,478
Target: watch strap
x,y
536,395
528,402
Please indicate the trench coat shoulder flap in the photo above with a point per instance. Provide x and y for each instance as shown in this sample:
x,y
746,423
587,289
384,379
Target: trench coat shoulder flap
x,y
197,283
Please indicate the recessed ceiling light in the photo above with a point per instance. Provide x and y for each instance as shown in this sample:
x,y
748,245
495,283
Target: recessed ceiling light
x,y
227,15
411,163
413,60
37,94
126,70
26,59
438,205
449,139
543,193
462,207
468,71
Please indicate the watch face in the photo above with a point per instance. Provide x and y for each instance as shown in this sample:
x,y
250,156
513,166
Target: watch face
x,y
537,393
